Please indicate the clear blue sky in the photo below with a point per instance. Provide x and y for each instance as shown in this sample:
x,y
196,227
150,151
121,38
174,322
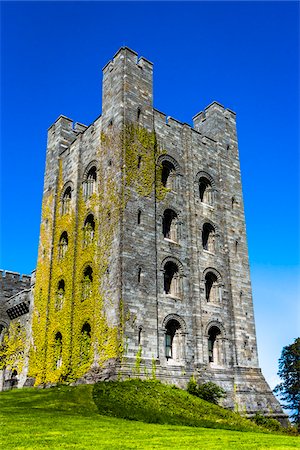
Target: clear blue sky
x,y
244,55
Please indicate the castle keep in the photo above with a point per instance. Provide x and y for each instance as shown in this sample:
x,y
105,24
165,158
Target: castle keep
x,y
143,263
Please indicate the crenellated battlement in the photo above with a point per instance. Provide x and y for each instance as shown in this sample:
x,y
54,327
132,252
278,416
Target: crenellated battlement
x,y
11,283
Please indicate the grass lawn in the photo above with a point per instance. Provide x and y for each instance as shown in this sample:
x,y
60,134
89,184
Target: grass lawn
x,y
68,418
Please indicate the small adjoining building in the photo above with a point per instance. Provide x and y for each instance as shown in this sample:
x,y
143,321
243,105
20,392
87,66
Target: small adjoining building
x,y
143,264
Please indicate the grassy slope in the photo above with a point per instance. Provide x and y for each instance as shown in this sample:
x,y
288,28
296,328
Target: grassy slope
x,y
67,418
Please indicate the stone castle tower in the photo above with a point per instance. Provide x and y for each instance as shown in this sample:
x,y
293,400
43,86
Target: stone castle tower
x,y
143,263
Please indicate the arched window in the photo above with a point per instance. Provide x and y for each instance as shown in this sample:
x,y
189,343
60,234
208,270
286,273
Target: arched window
x,y
58,351
66,200
174,340
87,283
172,279
214,345
169,225
89,185
211,287
139,217
205,191
85,342
63,245
208,237
168,175
60,294
88,230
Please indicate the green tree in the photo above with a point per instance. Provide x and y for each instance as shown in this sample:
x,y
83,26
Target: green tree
x,y
289,372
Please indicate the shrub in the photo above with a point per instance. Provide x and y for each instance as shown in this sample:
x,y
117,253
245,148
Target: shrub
x,y
267,422
210,392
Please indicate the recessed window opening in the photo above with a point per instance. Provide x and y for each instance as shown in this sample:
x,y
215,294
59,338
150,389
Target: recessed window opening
x,y
172,282
169,225
214,334
232,202
140,335
66,200
205,191
87,282
211,287
63,245
173,340
139,114
208,237
236,245
14,378
139,217
60,294
58,350
139,162
139,274
89,186
168,175
85,342
88,230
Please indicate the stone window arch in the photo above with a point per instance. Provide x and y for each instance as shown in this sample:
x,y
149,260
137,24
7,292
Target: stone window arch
x,y
66,200
175,331
208,237
89,181
170,225
60,294
169,171
88,230
58,350
87,283
215,343
85,342
213,285
63,245
173,277
206,188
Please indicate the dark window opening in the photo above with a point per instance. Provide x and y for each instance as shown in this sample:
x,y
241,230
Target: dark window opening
x,y
210,287
168,175
169,225
205,191
213,350
58,351
89,185
172,340
60,294
208,237
139,162
140,335
85,342
63,245
172,279
139,217
88,230
66,200
139,275
87,283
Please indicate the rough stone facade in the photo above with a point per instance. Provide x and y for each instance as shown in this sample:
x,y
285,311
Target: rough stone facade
x,y
175,283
